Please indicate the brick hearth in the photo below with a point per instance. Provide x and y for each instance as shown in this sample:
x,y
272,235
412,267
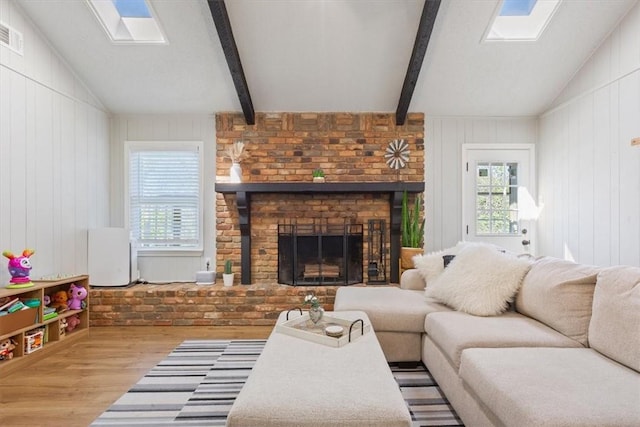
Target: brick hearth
x,y
188,304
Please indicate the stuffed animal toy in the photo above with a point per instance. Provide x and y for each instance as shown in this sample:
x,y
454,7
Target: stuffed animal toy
x,y
6,349
63,327
77,294
47,300
60,301
72,322
19,268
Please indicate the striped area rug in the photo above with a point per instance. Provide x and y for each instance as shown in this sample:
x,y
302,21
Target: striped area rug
x,y
198,382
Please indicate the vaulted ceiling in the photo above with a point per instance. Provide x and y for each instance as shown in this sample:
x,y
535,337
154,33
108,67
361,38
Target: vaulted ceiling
x,y
328,55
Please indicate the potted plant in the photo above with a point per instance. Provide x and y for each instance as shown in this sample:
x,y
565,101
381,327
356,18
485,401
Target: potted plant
x,y
227,276
412,228
318,175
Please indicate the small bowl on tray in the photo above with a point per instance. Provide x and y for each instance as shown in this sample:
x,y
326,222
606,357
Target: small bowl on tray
x,y
334,331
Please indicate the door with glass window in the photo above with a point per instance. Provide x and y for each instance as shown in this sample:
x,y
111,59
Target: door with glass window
x,y
499,195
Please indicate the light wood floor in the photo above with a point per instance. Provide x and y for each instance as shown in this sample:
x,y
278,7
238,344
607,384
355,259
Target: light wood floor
x,y
73,386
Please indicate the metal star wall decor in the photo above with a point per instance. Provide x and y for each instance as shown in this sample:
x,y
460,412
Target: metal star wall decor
x,y
397,154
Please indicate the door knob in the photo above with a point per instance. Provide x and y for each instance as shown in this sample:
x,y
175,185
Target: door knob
x,y
526,242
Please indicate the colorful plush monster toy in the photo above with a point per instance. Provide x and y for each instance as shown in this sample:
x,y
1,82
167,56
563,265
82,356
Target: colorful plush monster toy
x,y
77,294
19,268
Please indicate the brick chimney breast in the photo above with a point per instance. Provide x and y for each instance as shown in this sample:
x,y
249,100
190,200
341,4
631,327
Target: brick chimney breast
x,y
288,147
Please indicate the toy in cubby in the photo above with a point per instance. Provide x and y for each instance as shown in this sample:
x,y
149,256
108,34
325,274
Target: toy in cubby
x,y
73,322
63,327
77,295
59,301
33,340
19,268
48,311
7,346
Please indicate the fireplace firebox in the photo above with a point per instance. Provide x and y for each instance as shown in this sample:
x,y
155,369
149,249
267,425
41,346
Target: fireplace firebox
x,y
320,254
244,193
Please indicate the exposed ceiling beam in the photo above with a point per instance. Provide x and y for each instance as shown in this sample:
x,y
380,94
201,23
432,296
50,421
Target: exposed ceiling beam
x,y
428,18
225,33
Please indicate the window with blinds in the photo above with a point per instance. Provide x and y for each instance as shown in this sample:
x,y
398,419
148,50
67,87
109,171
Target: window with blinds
x,y
164,195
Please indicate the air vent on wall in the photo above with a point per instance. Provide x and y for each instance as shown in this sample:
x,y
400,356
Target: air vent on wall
x,y
11,38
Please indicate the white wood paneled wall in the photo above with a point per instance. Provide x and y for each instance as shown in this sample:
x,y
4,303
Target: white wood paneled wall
x,y
54,156
443,173
166,128
588,172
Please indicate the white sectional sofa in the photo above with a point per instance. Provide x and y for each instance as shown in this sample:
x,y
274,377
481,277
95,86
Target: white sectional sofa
x,y
565,353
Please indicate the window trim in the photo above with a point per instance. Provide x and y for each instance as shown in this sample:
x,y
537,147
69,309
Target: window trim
x,y
130,146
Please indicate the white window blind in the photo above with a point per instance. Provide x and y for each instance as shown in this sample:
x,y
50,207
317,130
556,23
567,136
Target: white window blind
x,y
165,195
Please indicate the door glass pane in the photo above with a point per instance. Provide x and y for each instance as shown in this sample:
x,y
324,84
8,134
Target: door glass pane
x,y
497,198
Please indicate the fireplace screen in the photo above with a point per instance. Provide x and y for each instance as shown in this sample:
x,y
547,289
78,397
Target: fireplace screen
x,y
319,254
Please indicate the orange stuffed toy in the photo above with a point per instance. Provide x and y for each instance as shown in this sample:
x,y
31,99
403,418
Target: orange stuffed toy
x,y
59,301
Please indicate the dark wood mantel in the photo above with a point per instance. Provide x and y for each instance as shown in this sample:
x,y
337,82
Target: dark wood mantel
x,y
243,192
325,187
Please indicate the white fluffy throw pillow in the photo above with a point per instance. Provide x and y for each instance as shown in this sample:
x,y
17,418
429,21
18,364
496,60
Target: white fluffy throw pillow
x,y
479,281
431,265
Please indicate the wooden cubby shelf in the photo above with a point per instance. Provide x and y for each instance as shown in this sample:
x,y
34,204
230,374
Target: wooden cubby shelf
x,y
54,336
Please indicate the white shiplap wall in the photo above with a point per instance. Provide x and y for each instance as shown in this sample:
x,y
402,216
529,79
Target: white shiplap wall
x,y
54,146
588,172
444,137
166,128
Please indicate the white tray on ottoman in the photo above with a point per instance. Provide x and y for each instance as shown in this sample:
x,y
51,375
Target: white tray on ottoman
x,y
303,327
297,382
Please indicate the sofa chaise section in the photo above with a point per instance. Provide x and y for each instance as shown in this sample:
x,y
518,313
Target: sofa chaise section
x,y
397,316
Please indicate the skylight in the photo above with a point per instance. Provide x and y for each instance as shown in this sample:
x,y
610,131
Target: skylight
x,y
521,19
517,7
132,8
128,21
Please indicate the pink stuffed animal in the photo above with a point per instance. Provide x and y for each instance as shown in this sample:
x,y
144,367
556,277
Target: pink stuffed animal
x,y
77,294
72,322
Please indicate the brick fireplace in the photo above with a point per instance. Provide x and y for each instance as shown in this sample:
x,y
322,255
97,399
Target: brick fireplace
x,y
283,150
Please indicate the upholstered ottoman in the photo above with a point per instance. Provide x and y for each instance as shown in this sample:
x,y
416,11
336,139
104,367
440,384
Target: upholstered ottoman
x,y
296,382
